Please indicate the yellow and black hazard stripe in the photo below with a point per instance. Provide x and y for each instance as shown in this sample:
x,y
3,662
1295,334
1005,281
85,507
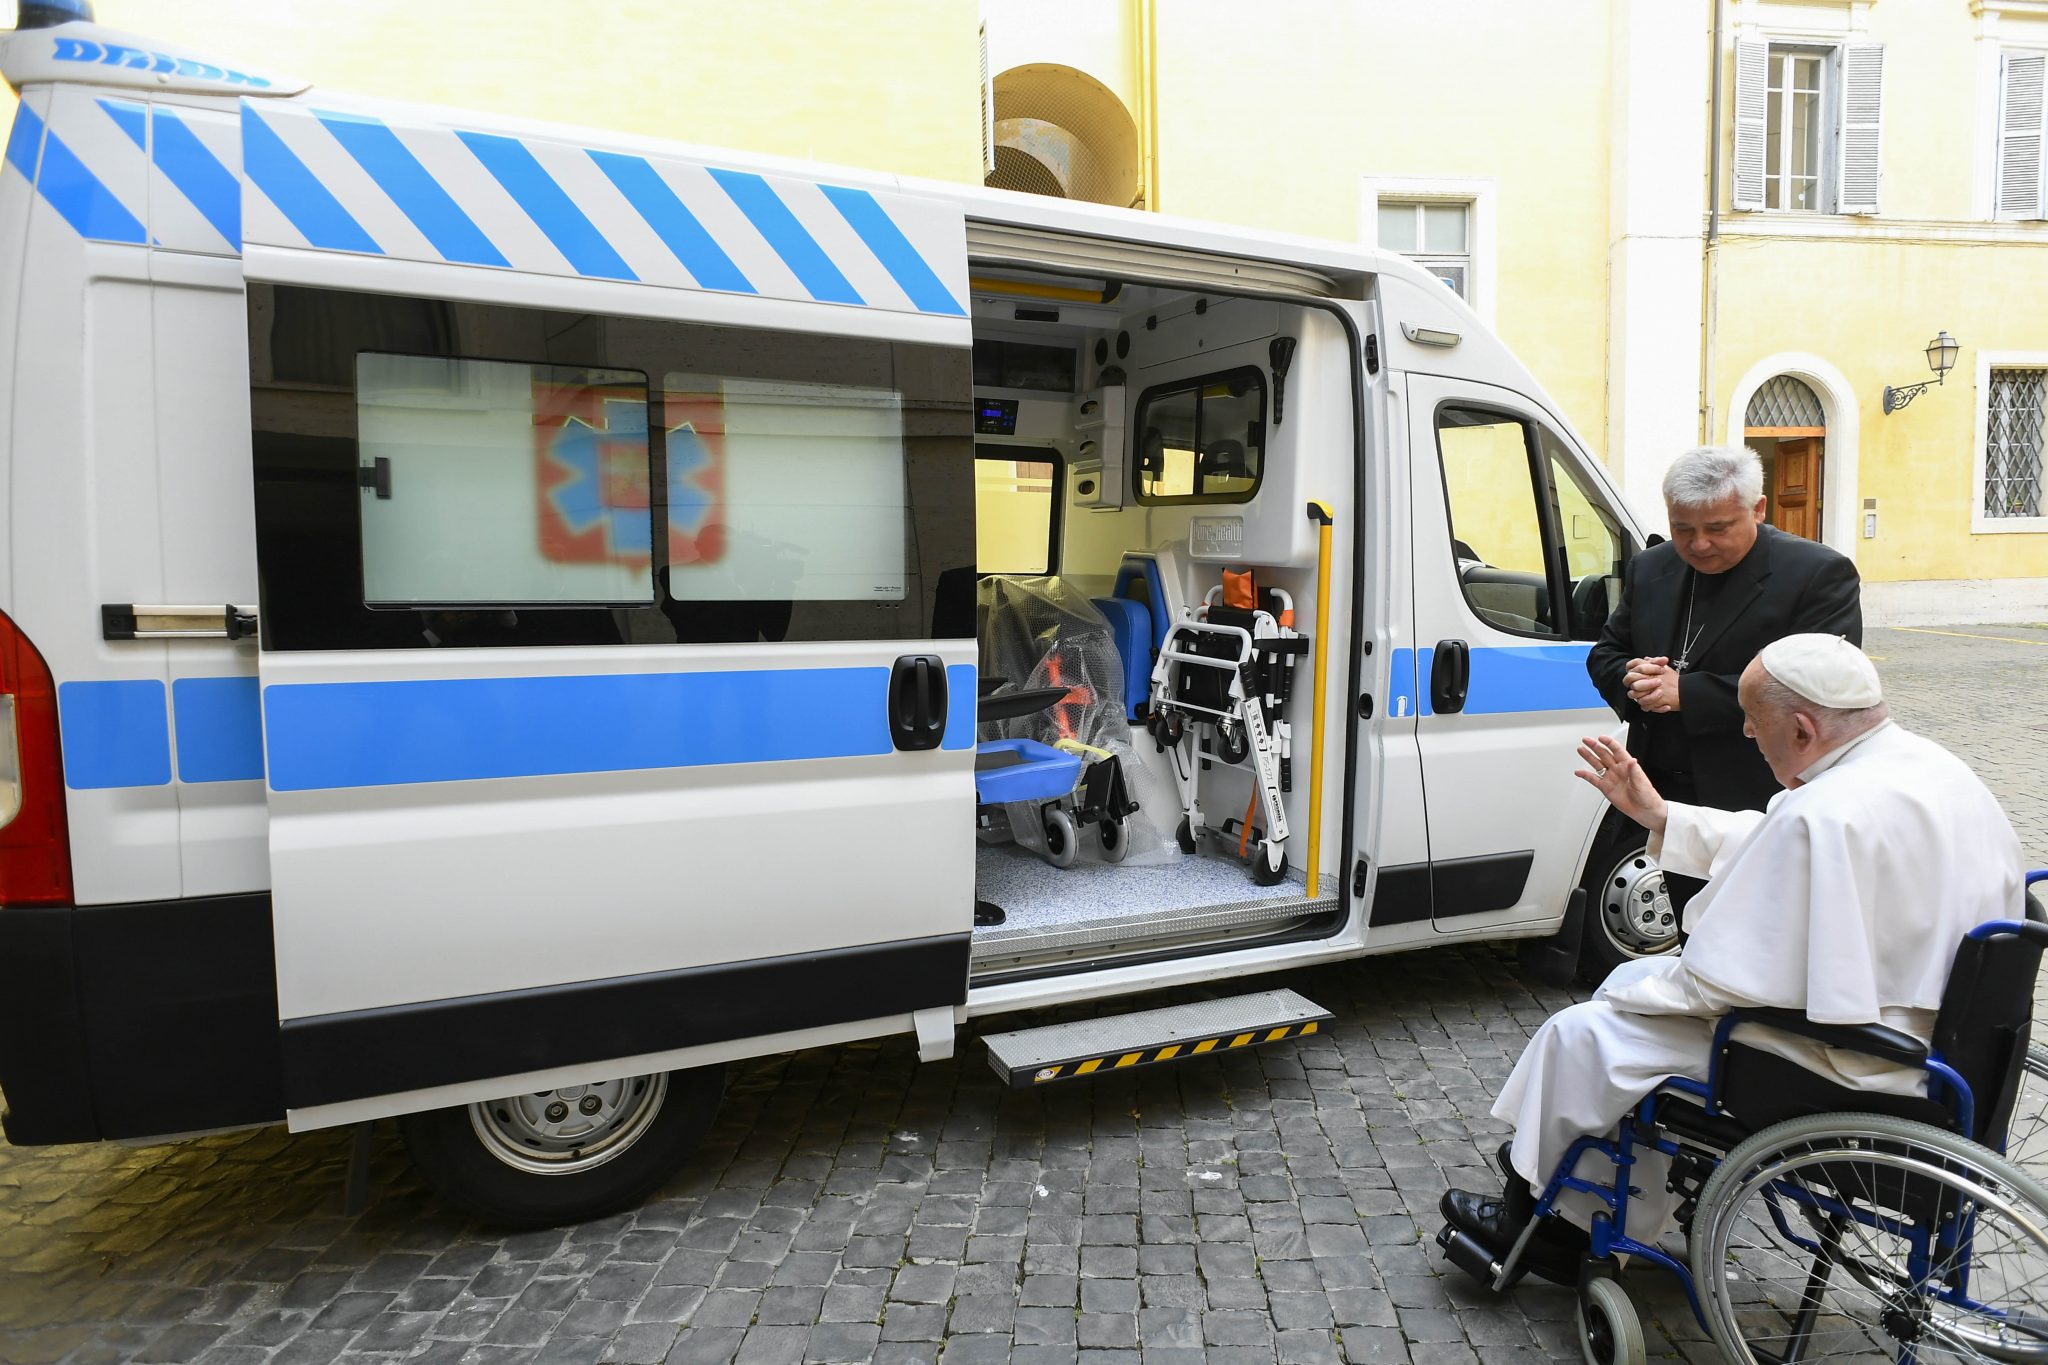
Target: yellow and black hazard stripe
x,y
1165,1052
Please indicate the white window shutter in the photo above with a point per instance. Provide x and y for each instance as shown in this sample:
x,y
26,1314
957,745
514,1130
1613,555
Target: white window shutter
x,y
1751,90
2020,135
1862,110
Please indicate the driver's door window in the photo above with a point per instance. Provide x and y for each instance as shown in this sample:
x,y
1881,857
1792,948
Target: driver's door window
x,y
1592,541
1497,532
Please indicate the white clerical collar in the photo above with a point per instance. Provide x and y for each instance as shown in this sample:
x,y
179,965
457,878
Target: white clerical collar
x,y
1836,754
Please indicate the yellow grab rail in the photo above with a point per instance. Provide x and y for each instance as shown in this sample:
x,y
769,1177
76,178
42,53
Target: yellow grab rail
x,y
1319,513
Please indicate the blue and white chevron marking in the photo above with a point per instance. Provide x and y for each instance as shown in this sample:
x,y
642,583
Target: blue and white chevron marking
x,y
300,175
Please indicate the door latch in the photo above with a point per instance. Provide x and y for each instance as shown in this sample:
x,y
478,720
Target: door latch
x,y
917,702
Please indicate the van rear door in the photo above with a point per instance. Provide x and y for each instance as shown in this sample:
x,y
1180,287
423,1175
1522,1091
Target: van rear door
x,y
603,504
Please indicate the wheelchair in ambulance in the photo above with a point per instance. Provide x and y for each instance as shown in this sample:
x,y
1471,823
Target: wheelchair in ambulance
x,y
1824,1223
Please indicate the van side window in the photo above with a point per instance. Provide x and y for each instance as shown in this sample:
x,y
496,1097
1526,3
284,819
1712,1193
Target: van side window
x,y
1593,545
1496,518
1202,440
485,482
1016,510
536,477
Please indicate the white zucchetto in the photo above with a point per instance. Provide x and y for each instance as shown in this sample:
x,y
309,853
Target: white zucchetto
x,y
1825,669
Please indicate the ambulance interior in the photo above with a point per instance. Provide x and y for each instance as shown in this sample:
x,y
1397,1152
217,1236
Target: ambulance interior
x,y
1141,495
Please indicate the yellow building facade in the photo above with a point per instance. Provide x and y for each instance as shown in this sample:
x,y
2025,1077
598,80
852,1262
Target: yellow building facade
x,y
1694,219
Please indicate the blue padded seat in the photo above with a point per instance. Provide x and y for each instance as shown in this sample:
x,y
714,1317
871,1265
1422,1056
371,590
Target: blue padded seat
x,y
1008,770
1137,580
1130,626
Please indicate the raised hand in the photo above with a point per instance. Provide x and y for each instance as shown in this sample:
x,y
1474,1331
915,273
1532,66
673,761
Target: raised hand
x,y
1613,770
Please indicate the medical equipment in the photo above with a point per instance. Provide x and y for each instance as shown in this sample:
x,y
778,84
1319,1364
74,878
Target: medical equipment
x,y
1219,695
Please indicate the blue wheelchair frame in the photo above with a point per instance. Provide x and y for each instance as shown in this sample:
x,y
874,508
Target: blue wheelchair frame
x,y
1927,1247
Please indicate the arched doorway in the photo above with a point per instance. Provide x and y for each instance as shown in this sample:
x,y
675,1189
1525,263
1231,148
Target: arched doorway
x,y
1787,427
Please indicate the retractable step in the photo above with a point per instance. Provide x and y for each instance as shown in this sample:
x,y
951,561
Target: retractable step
x,y
1120,1042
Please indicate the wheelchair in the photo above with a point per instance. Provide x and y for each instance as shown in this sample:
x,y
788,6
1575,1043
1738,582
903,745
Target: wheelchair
x,y
1824,1223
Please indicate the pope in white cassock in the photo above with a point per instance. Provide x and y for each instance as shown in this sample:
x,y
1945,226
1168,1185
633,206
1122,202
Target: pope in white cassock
x,y
1845,899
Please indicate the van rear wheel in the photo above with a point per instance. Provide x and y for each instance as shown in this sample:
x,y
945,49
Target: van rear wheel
x,y
568,1154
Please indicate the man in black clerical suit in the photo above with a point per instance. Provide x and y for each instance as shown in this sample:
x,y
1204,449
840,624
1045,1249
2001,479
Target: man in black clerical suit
x,y
1693,613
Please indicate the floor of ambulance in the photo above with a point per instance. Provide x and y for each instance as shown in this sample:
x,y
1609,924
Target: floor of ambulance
x,y
1094,905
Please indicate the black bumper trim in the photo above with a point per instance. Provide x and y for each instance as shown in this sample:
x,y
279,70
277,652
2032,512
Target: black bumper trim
x,y
333,1058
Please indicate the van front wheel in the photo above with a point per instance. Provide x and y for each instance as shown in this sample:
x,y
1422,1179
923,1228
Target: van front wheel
x,y
1629,913
568,1154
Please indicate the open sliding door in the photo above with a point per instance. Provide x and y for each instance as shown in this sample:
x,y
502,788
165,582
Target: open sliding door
x,y
602,506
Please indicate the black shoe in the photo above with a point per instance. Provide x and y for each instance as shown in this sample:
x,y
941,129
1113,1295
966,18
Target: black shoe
x,y
1554,1252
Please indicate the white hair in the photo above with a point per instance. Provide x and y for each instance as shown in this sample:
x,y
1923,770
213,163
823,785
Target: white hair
x,y
1835,724
1706,476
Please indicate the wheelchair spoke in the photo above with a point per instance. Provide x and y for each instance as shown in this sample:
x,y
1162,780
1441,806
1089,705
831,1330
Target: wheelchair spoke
x,y
1866,1238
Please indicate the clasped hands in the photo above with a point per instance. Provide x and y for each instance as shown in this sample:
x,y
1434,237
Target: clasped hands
x,y
1653,683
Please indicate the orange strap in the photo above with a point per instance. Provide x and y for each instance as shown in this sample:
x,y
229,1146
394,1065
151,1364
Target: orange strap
x,y
1244,835
1238,591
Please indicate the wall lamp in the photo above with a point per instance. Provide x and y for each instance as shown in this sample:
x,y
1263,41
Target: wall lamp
x,y
1941,358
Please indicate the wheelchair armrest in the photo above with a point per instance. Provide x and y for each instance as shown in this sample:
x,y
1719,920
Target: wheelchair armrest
x,y
1025,702
1874,1039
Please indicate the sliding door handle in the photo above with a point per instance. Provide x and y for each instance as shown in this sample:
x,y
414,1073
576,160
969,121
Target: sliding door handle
x,y
917,702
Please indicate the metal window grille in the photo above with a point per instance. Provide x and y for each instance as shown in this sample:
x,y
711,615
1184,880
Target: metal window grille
x,y
1784,402
2012,454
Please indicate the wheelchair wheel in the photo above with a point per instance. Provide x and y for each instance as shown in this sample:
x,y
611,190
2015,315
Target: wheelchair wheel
x,y
1864,1237
1233,745
1062,841
1610,1331
1116,839
2026,1134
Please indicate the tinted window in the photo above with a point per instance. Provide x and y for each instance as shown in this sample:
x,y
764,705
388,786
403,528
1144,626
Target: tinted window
x,y
1496,520
1016,510
1202,440
537,488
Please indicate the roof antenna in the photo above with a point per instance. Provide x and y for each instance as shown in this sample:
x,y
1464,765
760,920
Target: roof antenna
x,y
50,13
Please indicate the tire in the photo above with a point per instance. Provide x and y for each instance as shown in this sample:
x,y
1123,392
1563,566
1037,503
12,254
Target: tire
x,y
1791,1180
1266,875
1629,914
1233,745
1185,836
1062,840
514,1162
1610,1330
1116,840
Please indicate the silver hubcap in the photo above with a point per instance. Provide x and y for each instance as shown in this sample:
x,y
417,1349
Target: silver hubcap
x,y
1636,908
570,1129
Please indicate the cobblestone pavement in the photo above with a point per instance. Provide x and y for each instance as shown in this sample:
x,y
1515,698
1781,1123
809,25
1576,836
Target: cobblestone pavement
x,y
1273,1206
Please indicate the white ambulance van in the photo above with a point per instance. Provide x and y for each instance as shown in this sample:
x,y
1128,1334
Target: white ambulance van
x,y
496,615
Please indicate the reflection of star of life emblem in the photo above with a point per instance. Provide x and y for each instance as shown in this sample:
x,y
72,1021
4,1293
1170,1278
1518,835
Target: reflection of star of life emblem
x,y
695,427
595,495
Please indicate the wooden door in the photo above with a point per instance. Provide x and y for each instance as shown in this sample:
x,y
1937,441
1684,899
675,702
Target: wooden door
x,y
1795,487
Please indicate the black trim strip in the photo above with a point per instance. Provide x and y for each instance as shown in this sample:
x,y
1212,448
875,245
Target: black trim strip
x,y
1400,896
1479,886
332,1058
138,1020
1450,888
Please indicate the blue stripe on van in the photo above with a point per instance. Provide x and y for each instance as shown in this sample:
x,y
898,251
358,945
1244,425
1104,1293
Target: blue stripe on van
x,y
199,175
367,734
792,241
115,734
513,165
412,188
893,250
1520,678
960,706
77,194
297,192
220,729
24,141
673,222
